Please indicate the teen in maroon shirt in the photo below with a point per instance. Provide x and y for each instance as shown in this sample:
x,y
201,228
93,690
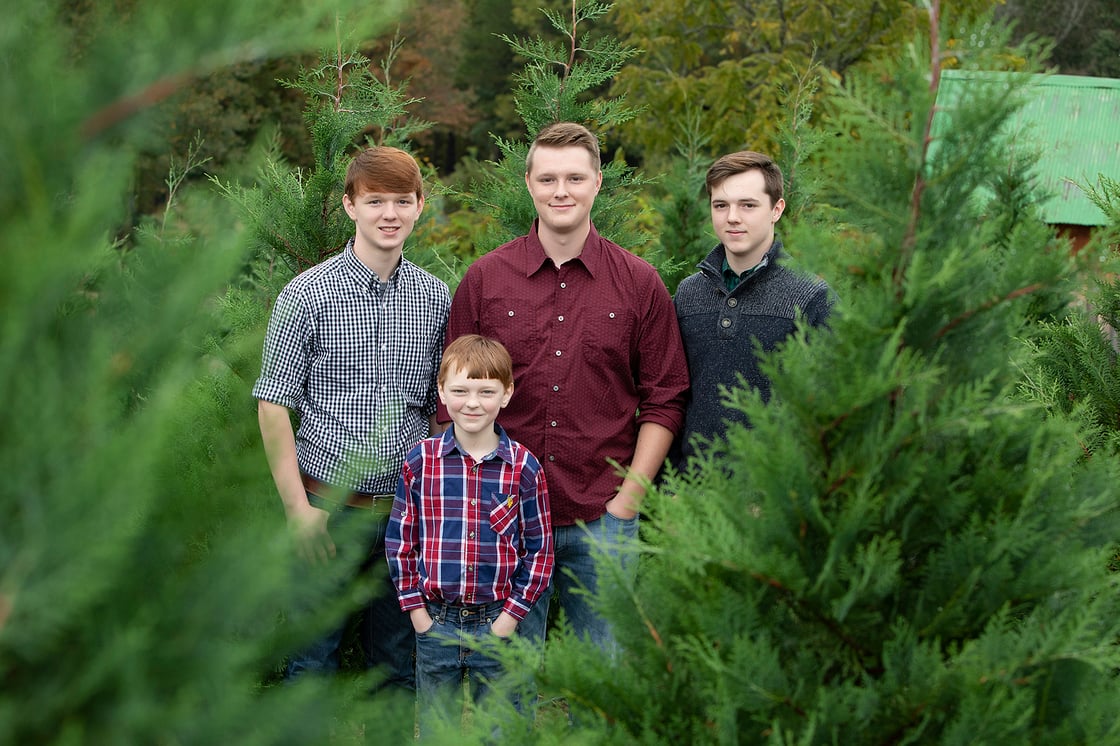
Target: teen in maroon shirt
x,y
598,362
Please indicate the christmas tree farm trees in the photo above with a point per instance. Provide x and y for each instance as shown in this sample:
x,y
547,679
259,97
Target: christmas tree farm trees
x,y
900,550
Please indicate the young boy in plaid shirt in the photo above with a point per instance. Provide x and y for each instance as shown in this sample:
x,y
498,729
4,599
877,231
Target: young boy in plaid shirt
x,y
469,541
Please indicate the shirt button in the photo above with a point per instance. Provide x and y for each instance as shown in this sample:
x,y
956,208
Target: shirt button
x,y
511,313
553,423
558,353
732,302
473,501
563,285
551,457
559,318
725,323
555,388
612,314
470,535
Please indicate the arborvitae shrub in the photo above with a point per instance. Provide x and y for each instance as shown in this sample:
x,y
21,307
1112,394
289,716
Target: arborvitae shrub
x,y
900,550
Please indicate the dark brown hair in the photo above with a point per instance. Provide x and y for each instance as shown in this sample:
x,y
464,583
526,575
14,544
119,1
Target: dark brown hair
x,y
746,160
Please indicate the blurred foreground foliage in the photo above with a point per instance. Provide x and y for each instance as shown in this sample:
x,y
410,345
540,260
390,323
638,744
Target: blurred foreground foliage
x,y
142,569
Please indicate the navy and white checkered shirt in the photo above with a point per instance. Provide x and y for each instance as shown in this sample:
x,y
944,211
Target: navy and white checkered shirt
x,y
357,360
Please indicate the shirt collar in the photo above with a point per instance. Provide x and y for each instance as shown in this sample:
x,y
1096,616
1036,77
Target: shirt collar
x,y
363,275
731,278
504,451
716,261
590,257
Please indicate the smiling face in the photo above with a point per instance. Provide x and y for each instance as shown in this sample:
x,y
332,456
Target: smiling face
x,y
563,182
743,217
473,403
382,220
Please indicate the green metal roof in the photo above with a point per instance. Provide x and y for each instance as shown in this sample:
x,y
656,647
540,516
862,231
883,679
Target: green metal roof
x,y
1074,121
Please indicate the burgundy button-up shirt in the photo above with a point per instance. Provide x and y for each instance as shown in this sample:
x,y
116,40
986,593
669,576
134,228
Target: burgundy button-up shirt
x,y
596,352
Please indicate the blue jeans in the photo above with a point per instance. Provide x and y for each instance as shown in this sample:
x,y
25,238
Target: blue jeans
x,y
385,632
574,568
444,656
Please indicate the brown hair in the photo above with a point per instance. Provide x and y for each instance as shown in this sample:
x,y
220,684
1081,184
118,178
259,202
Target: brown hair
x,y
383,169
563,135
746,160
480,357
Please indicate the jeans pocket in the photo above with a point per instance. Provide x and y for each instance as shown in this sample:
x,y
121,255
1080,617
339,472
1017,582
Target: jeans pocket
x,y
625,524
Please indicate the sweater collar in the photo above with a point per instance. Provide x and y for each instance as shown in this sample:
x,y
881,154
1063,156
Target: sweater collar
x,y
713,264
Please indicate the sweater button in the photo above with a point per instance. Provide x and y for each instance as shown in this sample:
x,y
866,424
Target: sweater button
x,y
732,302
725,323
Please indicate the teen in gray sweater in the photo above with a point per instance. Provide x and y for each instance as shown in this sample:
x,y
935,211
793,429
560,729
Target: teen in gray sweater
x,y
742,293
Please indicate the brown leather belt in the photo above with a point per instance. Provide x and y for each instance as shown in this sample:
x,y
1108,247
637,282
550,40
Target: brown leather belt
x,y
366,500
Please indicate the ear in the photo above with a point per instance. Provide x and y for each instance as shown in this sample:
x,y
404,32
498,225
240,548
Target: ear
x,y
779,208
442,398
348,205
598,181
419,205
508,395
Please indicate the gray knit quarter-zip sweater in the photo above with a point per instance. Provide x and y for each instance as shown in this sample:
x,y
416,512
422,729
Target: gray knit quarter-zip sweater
x,y
720,327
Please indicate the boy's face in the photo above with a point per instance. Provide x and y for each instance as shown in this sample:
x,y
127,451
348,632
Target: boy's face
x,y
563,183
744,218
382,220
473,403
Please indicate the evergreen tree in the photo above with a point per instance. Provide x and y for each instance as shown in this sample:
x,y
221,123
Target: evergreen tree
x,y
486,66
1073,369
140,577
555,86
900,550
296,216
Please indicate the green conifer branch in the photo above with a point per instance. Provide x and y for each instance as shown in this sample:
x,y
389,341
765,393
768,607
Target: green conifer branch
x,y
987,305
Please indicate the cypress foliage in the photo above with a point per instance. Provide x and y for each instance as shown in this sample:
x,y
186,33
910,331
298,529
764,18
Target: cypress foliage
x,y
140,581
557,84
900,550
296,217
1073,367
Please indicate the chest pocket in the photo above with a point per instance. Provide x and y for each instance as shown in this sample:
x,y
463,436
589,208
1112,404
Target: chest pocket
x,y
608,338
512,321
504,513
